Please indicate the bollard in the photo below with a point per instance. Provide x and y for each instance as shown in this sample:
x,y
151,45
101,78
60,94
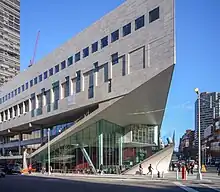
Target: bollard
x,y
158,174
177,174
186,175
163,174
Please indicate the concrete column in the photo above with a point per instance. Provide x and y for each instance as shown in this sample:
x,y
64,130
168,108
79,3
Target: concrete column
x,y
71,87
18,108
120,149
8,111
4,116
44,99
51,95
29,104
110,70
95,79
13,112
100,149
37,102
61,90
82,82
23,105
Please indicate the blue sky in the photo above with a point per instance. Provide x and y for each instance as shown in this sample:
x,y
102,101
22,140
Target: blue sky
x,y
197,40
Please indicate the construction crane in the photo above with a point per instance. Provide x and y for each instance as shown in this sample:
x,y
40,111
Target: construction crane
x,y
35,50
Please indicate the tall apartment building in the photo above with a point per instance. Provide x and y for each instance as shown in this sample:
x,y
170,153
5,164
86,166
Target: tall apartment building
x,y
9,39
209,110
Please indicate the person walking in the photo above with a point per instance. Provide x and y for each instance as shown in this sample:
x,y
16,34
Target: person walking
x,y
150,169
140,169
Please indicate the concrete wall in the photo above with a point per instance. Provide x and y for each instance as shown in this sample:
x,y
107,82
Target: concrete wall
x,y
152,46
159,161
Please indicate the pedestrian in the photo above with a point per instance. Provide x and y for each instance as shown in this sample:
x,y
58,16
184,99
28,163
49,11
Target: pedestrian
x,y
150,170
140,169
192,168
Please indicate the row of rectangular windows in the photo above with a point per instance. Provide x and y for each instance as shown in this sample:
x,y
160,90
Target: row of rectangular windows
x,y
126,30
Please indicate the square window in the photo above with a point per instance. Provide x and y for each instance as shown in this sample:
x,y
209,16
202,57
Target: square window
x,y
31,83
12,94
19,90
57,68
35,80
139,22
51,72
104,42
86,52
114,58
40,78
22,87
115,36
70,61
154,15
45,75
63,65
77,57
94,47
127,29
26,85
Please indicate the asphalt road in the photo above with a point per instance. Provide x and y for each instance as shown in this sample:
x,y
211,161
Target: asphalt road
x,y
21,183
37,184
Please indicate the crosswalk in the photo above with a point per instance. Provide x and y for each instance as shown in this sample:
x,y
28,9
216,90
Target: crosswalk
x,y
190,187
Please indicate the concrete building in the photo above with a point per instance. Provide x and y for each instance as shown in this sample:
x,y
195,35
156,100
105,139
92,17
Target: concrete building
x,y
9,39
186,147
211,143
100,97
209,109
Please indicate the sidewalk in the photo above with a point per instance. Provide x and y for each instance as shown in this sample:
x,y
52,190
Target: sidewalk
x,y
169,177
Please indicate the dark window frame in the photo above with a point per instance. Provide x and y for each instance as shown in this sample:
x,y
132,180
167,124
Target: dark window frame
x,y
154,14
95,47
50,72
86,52
77,57
104,42
115,36
63,65
57,68
140,22
114,58
126,30
70,61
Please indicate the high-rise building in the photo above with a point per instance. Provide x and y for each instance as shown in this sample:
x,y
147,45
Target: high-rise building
x,y
209,110
9,39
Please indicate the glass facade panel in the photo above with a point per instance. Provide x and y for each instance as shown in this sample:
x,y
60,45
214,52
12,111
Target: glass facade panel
x,y
100,144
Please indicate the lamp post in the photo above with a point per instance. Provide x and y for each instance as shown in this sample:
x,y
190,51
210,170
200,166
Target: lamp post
x,y
199,175
48,148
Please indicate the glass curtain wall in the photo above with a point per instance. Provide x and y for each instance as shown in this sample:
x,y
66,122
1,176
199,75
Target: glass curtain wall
x,y
102,142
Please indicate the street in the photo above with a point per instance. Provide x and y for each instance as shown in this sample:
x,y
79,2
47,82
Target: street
x,y
20,183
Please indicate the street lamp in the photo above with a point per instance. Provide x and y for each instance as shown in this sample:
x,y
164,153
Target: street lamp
x,y
48,148
199,175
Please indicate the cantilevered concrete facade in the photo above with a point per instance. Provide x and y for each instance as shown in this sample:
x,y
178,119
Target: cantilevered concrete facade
x,y
118,70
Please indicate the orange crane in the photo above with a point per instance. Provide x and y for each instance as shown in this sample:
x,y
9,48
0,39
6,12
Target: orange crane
x,y
35,50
